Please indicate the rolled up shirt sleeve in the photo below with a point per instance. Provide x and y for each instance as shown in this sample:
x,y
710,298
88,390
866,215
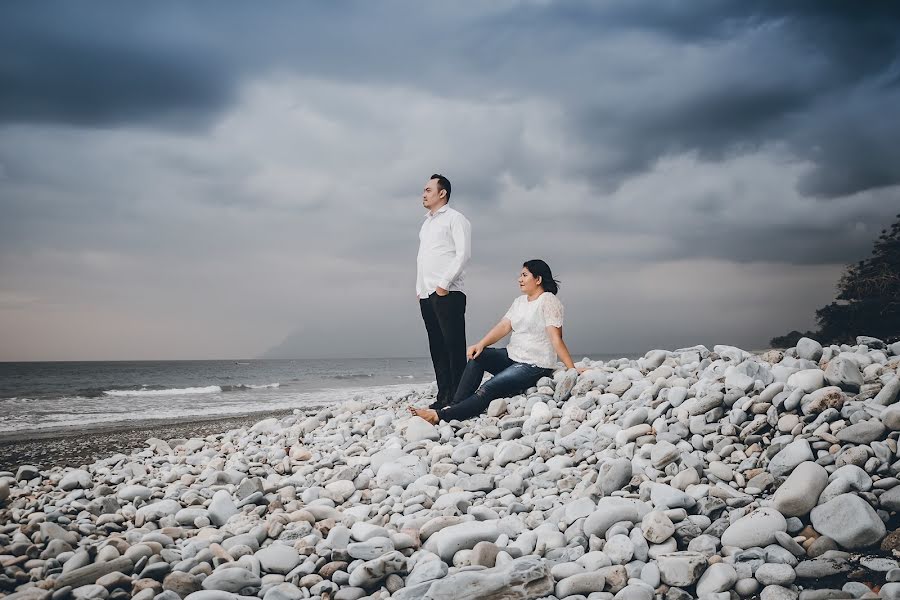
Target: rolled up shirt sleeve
x,y
461,231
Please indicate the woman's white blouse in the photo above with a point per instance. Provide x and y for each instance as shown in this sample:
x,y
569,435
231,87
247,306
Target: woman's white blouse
x,y
529,342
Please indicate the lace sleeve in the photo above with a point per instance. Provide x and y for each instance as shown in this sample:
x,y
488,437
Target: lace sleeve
x,y
552,309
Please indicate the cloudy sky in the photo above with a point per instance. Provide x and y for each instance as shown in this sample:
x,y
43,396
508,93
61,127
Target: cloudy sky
x,y
218,179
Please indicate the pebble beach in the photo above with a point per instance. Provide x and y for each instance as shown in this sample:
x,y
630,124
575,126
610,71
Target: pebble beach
x,y
689,473
83,445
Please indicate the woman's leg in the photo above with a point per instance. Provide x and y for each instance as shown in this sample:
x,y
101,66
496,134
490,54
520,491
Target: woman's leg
x,y
492,360
513,379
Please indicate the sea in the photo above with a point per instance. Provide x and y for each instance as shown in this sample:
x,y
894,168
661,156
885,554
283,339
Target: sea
x,y
42,397
45,396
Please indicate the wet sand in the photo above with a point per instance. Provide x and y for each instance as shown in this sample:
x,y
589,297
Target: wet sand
x,y
78,447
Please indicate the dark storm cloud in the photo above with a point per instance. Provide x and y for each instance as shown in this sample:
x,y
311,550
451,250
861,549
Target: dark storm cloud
x,y
819,77
111,63
104,64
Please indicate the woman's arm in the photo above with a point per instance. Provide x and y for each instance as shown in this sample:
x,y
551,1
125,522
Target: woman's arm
x,y
497,333
559,345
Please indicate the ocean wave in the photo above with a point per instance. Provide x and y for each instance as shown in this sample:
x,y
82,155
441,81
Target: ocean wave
x,y
209,389
16,400
163,411
243,386
353,375
406,376
89,393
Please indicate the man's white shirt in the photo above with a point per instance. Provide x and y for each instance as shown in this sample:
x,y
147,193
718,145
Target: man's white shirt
x,y
445,246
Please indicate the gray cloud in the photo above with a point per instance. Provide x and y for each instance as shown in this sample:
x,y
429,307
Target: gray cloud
x,y
221,176
639,81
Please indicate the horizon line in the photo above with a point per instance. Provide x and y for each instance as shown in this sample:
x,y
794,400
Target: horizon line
x,y
245,359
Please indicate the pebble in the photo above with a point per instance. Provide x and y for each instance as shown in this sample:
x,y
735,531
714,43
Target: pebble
x,y
232,580
583,583
693,472
681,568
800,492
864,432
613,475
789,457
619,549
418,429
849,520
373,571
756,529
844,373
719,577
89,574
657,527
821,567
221,508
777,592
278,558
809,349
890,590
775,574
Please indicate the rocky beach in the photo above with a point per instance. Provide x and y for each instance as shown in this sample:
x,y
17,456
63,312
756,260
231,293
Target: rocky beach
x,y
690,473
85,444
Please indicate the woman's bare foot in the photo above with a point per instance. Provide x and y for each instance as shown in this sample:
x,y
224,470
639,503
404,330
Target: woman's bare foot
x,y
425,413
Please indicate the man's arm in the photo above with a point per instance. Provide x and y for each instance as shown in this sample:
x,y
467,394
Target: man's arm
x,y
420,279
462,242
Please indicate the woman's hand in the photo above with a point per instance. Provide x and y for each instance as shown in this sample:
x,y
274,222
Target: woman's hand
x,y
473,351
581,370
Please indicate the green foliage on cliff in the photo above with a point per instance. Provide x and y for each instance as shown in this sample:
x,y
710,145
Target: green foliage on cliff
x,y
868,298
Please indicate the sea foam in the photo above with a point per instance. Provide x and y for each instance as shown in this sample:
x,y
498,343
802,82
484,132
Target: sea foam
x,y
209,389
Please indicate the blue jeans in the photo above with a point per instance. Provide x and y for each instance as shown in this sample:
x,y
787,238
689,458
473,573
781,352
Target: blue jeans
x,y
510,378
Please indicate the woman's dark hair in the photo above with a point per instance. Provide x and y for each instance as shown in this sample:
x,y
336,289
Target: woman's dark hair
x,y
539,268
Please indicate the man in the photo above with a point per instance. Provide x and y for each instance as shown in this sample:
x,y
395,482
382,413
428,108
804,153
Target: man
x,y
445,246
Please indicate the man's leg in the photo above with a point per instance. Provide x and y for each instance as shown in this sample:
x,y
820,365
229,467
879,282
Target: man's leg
x,y
451,314
438,350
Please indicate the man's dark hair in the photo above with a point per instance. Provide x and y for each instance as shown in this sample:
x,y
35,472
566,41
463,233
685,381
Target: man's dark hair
x,y
443,184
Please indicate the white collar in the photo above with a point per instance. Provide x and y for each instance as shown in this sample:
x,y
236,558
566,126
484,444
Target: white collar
x,y
442,209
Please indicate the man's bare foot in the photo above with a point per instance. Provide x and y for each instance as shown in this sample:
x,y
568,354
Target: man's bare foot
x,y
425,413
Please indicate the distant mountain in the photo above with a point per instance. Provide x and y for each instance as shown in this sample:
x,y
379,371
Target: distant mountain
x,y
372,340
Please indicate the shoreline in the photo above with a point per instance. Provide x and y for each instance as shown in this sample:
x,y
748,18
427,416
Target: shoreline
x,y
82,447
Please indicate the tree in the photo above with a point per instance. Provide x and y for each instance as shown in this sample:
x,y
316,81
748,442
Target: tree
x,y
868,299
789,340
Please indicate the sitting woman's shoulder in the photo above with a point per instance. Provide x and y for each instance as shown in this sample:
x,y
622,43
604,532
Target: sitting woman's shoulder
x,y
552,309
550,298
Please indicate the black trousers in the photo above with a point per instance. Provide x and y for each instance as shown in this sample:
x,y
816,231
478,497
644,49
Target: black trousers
x,y
445,322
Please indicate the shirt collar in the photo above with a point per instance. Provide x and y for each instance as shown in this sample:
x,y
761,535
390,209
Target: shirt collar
x,y
429,215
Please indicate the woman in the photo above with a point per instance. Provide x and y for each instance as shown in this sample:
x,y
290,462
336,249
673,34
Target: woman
x,y
535,320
